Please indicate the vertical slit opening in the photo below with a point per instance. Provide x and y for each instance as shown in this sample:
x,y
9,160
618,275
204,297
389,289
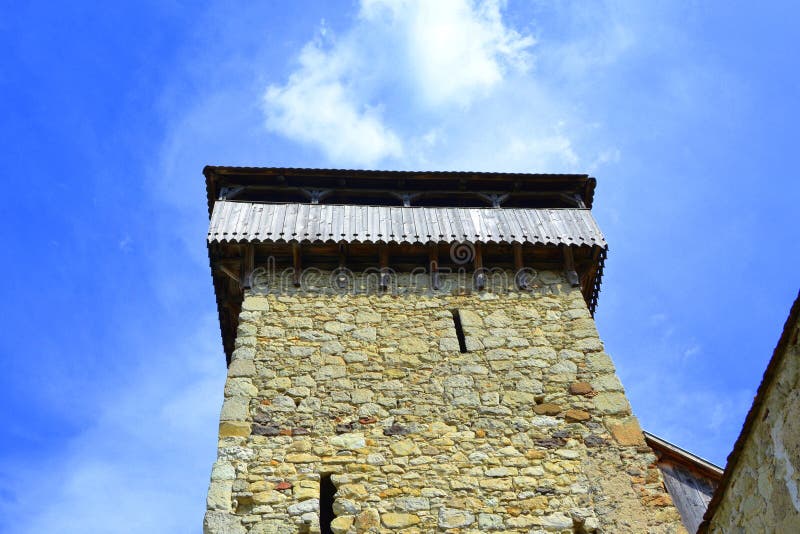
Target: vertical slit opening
x,y
327,493
462,341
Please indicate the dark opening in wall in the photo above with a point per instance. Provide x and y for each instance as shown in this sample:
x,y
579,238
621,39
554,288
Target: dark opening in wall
x,y
462,341
327,492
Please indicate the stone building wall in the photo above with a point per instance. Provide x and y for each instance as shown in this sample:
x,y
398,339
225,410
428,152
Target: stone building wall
x,y
529,430
763,490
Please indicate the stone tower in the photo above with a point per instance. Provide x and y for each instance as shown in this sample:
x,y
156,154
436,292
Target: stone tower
x,y
415,352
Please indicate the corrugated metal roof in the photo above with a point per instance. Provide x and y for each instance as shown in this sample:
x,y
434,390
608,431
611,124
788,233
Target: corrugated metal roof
x,y
374,172
257,222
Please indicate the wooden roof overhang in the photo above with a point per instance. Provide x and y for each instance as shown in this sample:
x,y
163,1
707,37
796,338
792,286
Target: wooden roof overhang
x,y
576,246
671,452
398,188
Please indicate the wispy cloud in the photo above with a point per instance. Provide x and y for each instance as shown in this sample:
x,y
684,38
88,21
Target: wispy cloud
x,y
452,51
321,105
442,84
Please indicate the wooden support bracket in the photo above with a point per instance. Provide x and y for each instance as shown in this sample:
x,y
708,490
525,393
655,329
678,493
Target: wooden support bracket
x,y
229,193
406,198
248,265
480,276
433,265
520,276
341,278
229,272
569,267
495,199
383,262
315,195
296,264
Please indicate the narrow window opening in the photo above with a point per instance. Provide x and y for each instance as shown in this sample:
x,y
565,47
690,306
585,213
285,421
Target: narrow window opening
x,y
327,493
462,341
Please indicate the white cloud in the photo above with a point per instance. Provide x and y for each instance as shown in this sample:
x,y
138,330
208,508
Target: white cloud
x,y
318,106
457,50
404,70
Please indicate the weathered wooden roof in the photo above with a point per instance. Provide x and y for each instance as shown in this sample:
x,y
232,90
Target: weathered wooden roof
x,y
256,222
690,480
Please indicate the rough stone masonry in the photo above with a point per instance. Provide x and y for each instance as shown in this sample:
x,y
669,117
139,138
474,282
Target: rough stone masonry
x,y
527,430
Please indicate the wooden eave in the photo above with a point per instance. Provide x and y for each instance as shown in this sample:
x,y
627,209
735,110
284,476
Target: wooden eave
x,y
668,451
464,189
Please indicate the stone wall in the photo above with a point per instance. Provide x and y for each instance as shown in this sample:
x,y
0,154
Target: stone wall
x,y
763,490
529,430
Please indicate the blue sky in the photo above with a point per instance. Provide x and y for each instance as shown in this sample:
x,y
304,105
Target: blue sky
x,y
112,362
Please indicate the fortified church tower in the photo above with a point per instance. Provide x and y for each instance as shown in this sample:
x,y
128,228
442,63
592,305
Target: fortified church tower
x,y
415,352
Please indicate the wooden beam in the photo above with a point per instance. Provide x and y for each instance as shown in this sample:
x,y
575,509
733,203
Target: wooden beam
x,y
296,264
383,262
230,272
433,264
480,276
520,277
569,266
248,265
341,279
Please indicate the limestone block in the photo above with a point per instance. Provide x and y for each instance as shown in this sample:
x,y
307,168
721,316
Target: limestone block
x,y
235,409
331,347
452,518
219,495
547,408
234,429
337,327
449,344
580,388
555,522
327,372
405,447
255,303
311,505
412,504
350,442
516,398
368,334
611,403
628,432
397,520
341,524
367,316
577,416
490,522
216,522
470,319
243,353
241,367
223,470
240,387
413,345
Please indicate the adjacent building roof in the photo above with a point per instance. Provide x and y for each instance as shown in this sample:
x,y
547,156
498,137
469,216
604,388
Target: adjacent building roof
x,y
788,336
690,480
252,222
